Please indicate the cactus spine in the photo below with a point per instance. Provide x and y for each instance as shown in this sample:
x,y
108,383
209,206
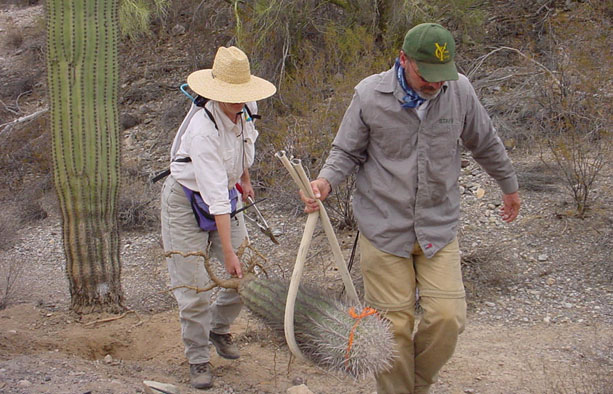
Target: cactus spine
x,y
83,75
326,330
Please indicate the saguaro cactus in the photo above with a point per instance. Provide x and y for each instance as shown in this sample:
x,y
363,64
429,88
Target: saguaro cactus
x,y
82,72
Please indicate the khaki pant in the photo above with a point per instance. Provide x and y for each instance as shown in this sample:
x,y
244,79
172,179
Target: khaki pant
x,y
180,232
389,283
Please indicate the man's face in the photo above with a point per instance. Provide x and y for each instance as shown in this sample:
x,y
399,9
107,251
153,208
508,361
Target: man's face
x,y
425,89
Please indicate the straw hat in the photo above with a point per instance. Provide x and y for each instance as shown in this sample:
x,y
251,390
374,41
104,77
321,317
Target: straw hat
x,y
230,79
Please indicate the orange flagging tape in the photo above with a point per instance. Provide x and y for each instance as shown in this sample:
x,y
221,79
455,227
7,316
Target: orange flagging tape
x,y
365,312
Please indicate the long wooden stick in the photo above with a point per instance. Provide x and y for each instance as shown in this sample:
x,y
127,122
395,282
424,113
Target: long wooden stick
x,y
300,178
332,240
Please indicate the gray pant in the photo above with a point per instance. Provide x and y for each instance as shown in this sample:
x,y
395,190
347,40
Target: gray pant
x,y
180,232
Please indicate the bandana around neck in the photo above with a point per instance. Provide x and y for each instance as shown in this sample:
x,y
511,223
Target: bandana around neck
x,y
411,98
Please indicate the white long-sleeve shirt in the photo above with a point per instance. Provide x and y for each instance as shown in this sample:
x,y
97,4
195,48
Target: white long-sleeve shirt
x,y
218,156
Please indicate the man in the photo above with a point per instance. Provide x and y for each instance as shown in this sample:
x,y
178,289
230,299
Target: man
x,y
403,130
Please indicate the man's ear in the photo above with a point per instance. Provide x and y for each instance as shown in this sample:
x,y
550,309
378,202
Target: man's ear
x,y
403,59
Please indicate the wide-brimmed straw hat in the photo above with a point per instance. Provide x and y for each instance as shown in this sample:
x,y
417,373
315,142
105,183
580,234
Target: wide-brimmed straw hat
x,y
230,79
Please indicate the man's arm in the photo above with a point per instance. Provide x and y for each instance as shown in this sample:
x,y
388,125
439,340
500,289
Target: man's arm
x,y
480,137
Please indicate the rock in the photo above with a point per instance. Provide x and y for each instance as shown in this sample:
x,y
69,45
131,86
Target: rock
x,y
480,192
301,389
547,319
510,143
24,383
178,30
550,281
153,387
108,359
542,257
128,121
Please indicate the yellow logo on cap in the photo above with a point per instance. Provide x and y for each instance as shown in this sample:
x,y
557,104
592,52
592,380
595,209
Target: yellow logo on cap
x,y
441,52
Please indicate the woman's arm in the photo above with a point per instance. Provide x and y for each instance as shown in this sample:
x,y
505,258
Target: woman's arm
x,y
233,265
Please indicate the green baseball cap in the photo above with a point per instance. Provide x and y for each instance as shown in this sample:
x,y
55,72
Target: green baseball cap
x,y
433,49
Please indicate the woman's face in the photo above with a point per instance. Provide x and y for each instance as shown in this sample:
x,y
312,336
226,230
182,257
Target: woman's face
x,y
231,109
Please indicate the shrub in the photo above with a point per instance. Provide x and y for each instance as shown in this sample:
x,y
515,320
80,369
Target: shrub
x,y
136,206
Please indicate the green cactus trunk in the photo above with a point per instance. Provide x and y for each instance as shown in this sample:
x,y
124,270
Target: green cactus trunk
x,y
83,75
326,330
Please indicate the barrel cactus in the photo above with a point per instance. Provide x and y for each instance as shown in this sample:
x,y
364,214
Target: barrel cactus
x,y
336,336
83,76
351,339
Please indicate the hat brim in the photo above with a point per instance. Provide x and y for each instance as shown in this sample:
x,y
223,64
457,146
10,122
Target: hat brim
x,y
203,83
439,72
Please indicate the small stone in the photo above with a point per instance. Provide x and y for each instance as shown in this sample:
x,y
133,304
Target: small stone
x,y
178,30
108,359
542,257
490,304
469,391
300,389
159,387
550,281
297,381
12,331
24,383
568,305
547,319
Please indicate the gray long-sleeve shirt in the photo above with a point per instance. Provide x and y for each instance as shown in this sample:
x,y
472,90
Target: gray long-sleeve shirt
x,y
407,181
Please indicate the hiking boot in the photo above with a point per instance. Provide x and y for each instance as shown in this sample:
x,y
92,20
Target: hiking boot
x,y
224,345
201,376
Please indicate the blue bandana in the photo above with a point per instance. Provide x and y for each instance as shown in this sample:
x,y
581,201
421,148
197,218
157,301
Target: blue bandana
x,y
411,98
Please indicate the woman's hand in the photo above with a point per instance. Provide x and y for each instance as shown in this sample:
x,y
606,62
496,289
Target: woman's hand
x,y
247,190
233,264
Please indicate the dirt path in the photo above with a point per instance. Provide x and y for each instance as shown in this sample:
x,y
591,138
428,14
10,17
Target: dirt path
x,y
48,351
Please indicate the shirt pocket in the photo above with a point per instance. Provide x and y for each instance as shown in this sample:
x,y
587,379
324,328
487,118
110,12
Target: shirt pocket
x,y
395,143
442,141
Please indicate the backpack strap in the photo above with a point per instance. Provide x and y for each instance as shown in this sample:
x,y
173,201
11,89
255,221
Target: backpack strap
x,y
200,101
252,116
166,172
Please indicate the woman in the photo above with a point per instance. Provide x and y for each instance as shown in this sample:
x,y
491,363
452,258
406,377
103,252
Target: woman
x,y
212,151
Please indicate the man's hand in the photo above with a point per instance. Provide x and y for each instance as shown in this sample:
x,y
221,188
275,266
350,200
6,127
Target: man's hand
x,y
321,188
510,207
